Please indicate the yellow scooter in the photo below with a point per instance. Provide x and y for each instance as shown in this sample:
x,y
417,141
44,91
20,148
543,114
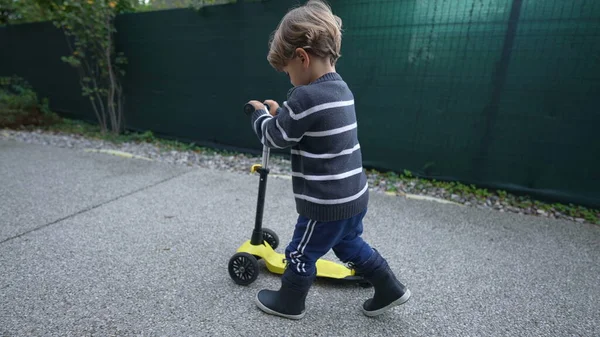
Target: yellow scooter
x,y
243,265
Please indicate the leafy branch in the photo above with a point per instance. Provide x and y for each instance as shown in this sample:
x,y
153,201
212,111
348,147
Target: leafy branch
x,y
89,29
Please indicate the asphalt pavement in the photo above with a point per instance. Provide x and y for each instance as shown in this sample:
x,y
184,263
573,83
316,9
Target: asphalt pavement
x,y
99,245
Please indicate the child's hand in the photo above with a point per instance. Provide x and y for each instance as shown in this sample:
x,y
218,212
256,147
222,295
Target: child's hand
x,y
258,105
273,106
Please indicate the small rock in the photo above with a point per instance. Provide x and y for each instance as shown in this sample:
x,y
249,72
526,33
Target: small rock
x,y
541,212
580,220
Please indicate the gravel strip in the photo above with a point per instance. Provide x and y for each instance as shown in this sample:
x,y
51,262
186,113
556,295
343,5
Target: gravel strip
x,y
235,163
509,204
279,166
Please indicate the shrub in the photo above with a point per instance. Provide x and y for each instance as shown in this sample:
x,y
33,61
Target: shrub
x,y
20,106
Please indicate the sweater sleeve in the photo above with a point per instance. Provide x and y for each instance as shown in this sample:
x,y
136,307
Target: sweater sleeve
x,y
284,129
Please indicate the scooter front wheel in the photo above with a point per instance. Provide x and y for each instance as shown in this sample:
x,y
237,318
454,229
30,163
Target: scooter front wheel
x,y
243,268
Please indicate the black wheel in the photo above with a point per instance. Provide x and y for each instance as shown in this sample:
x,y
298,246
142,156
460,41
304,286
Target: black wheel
x,y
271,238
243,268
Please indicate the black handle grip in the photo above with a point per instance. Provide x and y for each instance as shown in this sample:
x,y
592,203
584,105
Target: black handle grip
x,y
248,109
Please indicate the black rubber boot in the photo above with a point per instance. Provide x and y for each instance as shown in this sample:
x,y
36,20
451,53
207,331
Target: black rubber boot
x,y
289,300
389,292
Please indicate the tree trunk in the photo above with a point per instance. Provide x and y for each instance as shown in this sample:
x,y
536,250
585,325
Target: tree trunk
x,y
86,70
116,128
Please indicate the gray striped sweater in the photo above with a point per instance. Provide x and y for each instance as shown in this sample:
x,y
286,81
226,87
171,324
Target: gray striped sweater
x,y
318,122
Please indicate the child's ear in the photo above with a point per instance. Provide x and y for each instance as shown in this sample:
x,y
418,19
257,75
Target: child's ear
x,y
303,56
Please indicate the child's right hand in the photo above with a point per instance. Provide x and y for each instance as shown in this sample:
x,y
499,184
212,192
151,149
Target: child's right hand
x,y
273,106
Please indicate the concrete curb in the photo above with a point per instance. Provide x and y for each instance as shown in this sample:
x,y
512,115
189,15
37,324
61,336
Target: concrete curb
x,y
118,153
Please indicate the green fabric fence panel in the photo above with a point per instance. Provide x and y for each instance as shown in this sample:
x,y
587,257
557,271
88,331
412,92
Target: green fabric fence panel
x,y
422,73
33,51
189,73
500,93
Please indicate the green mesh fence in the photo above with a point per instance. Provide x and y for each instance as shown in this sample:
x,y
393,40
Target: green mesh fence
x,y
500,93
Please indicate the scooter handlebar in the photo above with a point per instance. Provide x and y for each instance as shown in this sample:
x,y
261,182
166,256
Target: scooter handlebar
x,y
248,109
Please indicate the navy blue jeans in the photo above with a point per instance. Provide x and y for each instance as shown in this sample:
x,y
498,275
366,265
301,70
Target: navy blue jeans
x,y
313,239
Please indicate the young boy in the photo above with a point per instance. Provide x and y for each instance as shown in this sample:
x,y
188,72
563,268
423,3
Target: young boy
x,y
330,188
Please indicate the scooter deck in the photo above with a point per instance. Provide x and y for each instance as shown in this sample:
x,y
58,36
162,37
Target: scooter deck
x,y
276,263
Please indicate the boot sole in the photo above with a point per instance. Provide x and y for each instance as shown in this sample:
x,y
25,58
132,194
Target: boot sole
x,y
397,302
273,312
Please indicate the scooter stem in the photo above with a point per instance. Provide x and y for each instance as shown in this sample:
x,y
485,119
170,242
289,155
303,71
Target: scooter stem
x,y
257,234
265,157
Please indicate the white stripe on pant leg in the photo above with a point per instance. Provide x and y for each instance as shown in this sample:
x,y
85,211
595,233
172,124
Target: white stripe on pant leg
x,y
303,237
293,258
294,255
300,249
308,239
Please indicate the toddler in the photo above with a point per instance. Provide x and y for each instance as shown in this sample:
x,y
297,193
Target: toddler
x,y
318,123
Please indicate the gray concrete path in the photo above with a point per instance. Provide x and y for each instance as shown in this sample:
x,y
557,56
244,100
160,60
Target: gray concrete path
x,y
98,245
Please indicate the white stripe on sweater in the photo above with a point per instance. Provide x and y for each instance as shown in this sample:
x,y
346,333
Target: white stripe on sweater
x,y
325,155
333,201
331,132
271,140
315,133
259,118
328,177
262,131
284,135
317,108
265,134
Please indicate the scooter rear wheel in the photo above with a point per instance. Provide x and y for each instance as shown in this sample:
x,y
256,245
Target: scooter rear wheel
x,y
270,237
243,268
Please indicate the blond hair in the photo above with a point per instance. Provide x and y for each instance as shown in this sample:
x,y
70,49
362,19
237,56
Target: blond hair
x,y
312,27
